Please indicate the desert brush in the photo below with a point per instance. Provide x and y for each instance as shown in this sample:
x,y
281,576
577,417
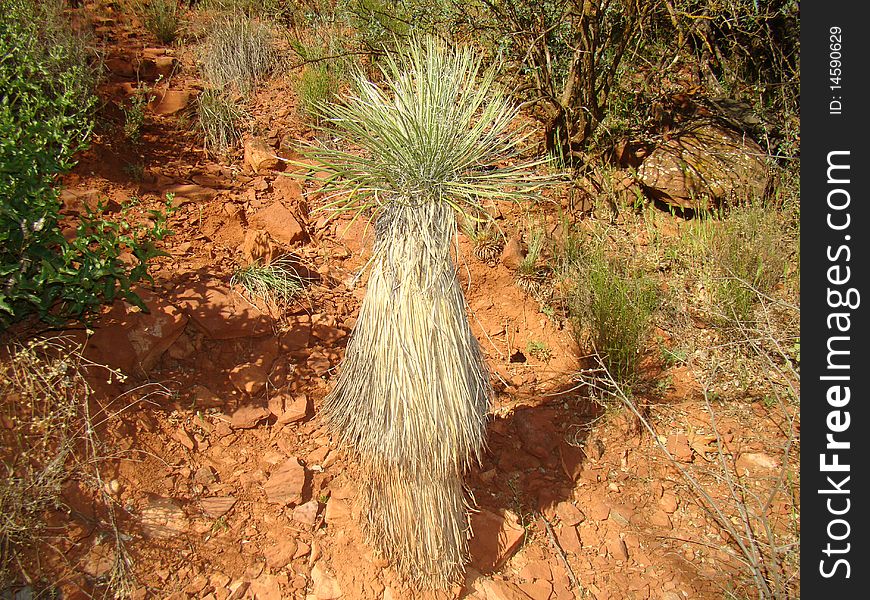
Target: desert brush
x,y
412,395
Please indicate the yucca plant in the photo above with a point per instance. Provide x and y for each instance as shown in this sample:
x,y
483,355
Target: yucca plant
x,y
412,395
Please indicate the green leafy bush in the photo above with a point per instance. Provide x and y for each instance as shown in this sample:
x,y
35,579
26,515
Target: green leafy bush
x,y
46,116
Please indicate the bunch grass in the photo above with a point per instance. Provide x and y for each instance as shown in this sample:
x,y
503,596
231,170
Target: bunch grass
x,y
277,282
162,18
222,120
238,53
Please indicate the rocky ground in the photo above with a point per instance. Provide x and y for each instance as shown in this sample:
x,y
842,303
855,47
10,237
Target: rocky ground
x,y
227,484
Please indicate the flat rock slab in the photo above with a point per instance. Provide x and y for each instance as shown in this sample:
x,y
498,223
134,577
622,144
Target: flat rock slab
x,y
495,538
285,484
220,314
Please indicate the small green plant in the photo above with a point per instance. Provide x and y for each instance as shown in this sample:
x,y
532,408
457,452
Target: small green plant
x,y
277,282
751,253
674,357
317,86
539,350
238,53
134,113
612,303
530,276
162,18
221,120
135,170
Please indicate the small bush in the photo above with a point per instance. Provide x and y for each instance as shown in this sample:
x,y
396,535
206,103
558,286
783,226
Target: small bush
x,y
134,114
162,18
750,256
221,120
317,86
238,53
614,304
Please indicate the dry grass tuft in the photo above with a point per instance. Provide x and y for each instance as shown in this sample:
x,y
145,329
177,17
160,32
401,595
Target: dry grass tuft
x,y
238,54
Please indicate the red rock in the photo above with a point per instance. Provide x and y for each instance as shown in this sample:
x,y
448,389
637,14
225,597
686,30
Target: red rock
x,y
499,589
285,484
616,546
190,191
132,339
571,458
660,518
537,569
298,333
289,192
337,511
327,334
568,539
81,202
122,67
184,438
755,461
306,514
324,584
163,518
513,253
281,224
678,445
220,314
204,398
569,514
669,502
598,510
217,506
247,417
288,408
204,475
495,538
170,102
258,247
249,378
259,155
702,164
266,587
279,554
537,590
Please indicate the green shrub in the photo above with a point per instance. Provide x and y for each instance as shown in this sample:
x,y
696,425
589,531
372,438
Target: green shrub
x,y
614,304
46,106
750,256
162,18
238,53
221,120
317,86
134,114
